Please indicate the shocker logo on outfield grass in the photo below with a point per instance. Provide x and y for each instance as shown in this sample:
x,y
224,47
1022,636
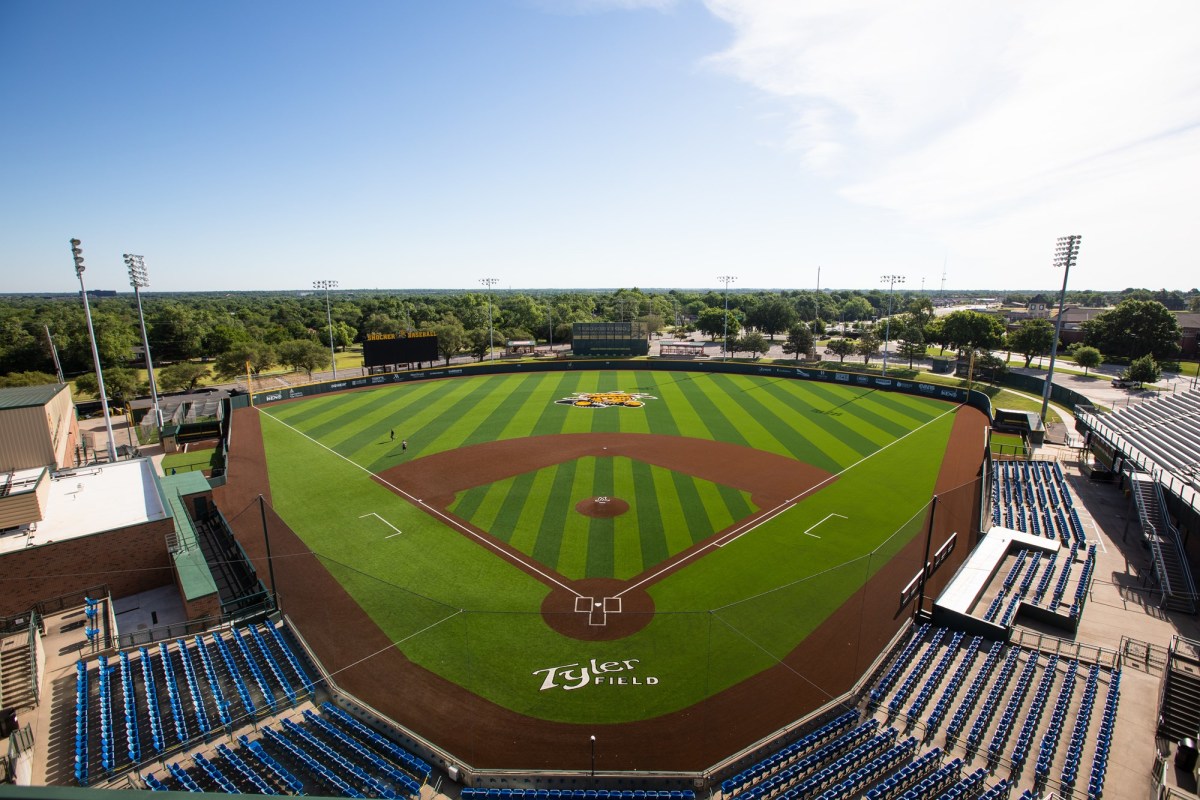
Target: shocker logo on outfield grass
x,y
606,399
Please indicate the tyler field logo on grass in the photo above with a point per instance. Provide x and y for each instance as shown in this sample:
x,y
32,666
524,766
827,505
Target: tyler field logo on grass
x,y
570,677
606,399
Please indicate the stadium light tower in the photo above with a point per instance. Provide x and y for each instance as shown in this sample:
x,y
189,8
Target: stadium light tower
x,y
1066,251
891,281
77,254
138,279
327,285
489,283
726,279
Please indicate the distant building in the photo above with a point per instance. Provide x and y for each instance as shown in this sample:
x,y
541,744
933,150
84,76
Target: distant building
x,y
1189,343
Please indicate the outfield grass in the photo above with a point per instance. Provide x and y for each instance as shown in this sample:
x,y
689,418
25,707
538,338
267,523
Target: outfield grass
x,y
189,461
458,609
1008,444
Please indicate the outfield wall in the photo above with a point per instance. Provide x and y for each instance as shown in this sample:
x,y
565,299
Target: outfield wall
x,y
974,398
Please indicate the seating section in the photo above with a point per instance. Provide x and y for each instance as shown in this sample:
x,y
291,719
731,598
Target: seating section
x,y
469,793
1030,576
177,693
1033,497
1012,707
318,753
1164,430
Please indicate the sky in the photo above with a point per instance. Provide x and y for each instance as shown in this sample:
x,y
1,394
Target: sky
x,y
599,143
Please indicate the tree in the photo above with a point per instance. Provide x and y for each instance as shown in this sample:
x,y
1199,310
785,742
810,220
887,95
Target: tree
x,y
479,343
343,335
971,330
935,333
868,344
120,384
232,363
1143,370
27,379
753,343
773,315
912,343
183,375
1133,329
842,348
920,310
799,340
857,307
712,321
1088,358
452,339
1033,337
303,354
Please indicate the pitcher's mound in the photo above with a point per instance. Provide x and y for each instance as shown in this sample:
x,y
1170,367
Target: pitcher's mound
x,y
602,507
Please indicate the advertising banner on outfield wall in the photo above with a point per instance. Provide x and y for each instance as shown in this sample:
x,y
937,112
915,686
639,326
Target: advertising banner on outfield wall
x,y
951,394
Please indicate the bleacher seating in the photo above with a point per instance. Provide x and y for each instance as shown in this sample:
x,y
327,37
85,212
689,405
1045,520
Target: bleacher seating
x,y
1033,497
81,724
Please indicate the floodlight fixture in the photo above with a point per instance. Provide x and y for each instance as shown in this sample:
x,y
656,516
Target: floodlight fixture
x,y
891,281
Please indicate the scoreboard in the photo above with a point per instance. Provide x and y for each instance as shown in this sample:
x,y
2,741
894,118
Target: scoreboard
x,y
383,349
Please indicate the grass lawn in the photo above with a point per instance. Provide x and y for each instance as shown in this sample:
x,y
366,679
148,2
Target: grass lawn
x,y
189,461
1007,444
461,610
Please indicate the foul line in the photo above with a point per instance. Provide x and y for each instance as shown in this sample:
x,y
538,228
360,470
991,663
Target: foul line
x,y
458,526
819,524
385,522
753,524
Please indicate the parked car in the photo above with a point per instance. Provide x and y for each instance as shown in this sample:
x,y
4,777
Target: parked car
x,y
1126,383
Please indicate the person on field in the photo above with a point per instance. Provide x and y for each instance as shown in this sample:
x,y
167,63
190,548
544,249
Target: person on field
x,y
404,445
393,433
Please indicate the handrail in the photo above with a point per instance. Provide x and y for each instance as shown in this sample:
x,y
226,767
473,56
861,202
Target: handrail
x,y
1176,540
1151,536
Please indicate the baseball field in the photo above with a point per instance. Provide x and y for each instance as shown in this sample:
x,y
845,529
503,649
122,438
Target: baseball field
x,y
598,547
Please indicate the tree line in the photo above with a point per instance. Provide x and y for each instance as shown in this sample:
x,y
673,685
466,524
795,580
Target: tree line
x,y
190,334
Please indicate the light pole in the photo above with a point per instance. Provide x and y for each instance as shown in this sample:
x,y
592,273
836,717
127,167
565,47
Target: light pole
x,y
1066,251
891,281
489,283
77,253
726,279
327,285
139,279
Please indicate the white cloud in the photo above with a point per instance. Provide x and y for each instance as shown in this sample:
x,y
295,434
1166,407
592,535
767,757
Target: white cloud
x,y
981,122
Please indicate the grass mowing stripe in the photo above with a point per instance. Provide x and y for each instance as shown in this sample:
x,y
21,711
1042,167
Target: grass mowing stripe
x,y
779,435
918,409
554,415
580,419
431,425
732,394
846,429
874,409
509,513
600,531
532,515
714,505
674,523
627,528
554,522
688,421
652,537
806,440
695,519
375,411
723,428
852,412
493,413
572,556
542,391
657,413
737,503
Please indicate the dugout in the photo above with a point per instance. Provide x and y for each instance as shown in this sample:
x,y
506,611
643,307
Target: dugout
x,y
609,339
678,349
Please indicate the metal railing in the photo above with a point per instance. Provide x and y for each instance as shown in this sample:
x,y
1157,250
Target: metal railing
x,y
190,627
